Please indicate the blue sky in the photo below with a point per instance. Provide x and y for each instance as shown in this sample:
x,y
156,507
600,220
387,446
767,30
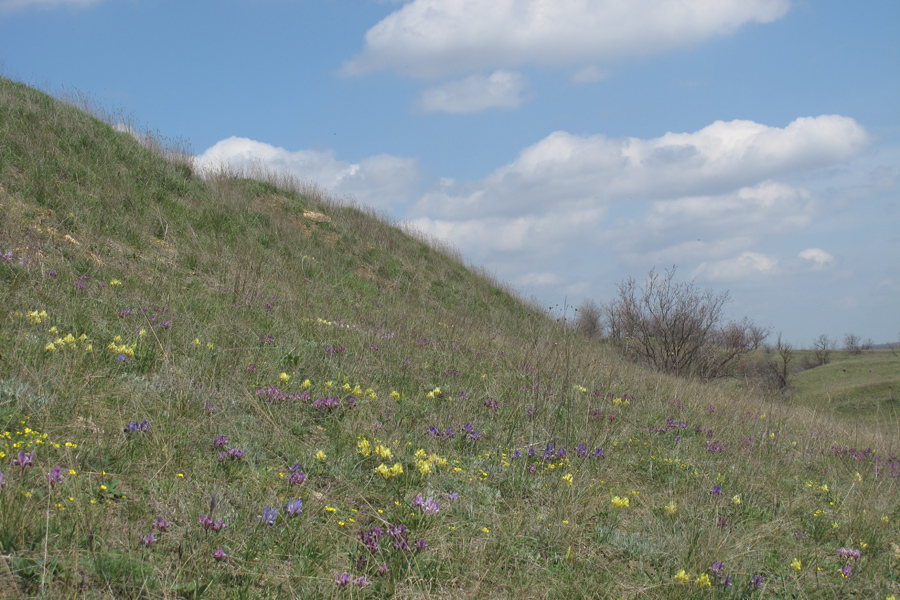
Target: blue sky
x,y
563,144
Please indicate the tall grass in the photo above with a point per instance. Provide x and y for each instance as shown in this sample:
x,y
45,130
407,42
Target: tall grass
x,y
240,341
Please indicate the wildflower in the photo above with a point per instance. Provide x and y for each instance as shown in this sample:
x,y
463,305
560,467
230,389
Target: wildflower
x,y
24,460
219,555
453,496
382,570
726,581
294,508
430,507
420,545
756,581
2,480
149,539
383,452
736,500
361,581
568,478
681,577
716,567
703,581
363,447
343,579
620,502
320,456
716,490
55,476
284,377
268,516
297,476
220,441
395,395
846,571
797,565
485,530
161,524
671,507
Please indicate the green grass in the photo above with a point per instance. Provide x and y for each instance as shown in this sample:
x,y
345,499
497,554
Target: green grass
x,y
855,387
244,305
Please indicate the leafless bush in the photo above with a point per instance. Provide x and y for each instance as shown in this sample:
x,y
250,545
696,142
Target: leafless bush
x,y
823,346
677,328
852,343
589,320
784,354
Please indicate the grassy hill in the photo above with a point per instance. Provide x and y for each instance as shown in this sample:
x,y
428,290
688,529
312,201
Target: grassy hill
x,y
232,386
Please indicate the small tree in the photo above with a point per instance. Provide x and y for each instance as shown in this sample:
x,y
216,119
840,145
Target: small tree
x,y
823,346
785,354
676,327
589,320
852,343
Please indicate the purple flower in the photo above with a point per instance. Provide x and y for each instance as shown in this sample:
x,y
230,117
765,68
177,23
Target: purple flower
x,y
516,455
343,579
149,539
219,555
361,581
581,451
598,453
420,545
417,502
453,496
430,507
137,427
220,441
161,524
24,460
2,480
716,567
532,468
492,404
268,516
846,570
726,581
756,581
382,570
55,476
208,523
716,490
294,508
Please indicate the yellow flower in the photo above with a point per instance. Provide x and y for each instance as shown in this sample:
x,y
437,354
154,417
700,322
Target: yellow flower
x,y
115,282
209,345
383,452
703,581
363,447
620,502
357,391
671,508
485,530
436,391
424,467
397,469
50,347
53,330
306,384
142,333
328,384
72,471
196,341
681,577
320,456
568,478
797,565
395,395
736,500
284,377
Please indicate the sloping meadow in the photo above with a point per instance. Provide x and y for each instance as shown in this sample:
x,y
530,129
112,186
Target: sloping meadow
x,y
228,386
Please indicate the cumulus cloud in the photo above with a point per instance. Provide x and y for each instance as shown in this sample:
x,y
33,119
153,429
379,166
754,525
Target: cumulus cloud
x,y
502,89
440,38
587,171
747,265
382,181
818,257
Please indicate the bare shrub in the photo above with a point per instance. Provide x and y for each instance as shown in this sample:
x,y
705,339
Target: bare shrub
x,y
823,346
677,327
852,343
784,354
589,321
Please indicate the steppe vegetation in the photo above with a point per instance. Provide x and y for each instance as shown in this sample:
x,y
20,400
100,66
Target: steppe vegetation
x,y
225,386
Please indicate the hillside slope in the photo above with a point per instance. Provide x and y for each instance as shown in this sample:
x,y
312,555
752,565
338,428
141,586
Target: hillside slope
x,y
234,387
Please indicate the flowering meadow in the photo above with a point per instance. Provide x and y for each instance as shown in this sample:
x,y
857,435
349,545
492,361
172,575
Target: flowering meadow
x,y
236,387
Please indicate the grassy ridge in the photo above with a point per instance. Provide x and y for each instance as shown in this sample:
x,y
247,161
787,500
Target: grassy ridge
x,y
193,349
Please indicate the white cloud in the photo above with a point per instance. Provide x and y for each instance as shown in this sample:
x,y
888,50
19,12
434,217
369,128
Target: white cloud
x,y
439,38
818,257
502,89
381,181
590,171
744,266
